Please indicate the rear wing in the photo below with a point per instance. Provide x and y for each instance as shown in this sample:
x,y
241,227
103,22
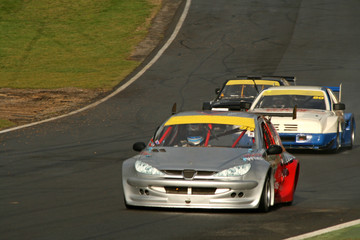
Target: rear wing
x,y
289,79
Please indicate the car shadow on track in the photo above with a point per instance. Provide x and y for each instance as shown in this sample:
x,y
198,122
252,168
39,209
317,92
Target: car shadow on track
x,y
324,152
215,211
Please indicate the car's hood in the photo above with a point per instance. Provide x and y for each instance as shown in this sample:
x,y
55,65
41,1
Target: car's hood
x,y
306,121
312,114
198,158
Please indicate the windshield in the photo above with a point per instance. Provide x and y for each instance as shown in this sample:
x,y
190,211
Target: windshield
x,y
242,91
205,135
238,91
289,101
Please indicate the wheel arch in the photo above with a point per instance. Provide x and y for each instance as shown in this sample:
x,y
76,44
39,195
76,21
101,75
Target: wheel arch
x,y
350,128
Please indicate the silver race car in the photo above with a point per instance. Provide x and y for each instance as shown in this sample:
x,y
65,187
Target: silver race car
x,y
214,160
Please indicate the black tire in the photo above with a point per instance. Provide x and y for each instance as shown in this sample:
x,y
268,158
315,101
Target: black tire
x,y
264,205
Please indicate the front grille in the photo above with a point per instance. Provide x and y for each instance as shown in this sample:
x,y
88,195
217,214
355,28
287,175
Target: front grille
x,y
290,127
190,191
288,138
286,127
173,172
180,173
205,173
189,173
176,190
203,191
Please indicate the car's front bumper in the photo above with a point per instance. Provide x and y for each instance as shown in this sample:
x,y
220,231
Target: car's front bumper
x,y
308,140
181,193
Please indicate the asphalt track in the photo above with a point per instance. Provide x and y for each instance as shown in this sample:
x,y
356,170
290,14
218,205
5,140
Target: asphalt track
x,y
62,179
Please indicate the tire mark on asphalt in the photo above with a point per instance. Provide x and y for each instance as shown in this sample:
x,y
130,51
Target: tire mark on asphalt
x,y
192,73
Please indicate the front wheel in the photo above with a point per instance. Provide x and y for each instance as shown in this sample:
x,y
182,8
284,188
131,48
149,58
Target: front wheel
x,y
265,200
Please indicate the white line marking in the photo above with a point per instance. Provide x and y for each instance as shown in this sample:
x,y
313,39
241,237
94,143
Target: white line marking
x,y
325,230
124,86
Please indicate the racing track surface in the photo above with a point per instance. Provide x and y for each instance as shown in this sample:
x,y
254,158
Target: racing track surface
x,y
62,179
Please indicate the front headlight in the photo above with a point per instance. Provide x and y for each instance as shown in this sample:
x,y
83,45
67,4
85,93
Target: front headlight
x,y
303,138
234,171
145,168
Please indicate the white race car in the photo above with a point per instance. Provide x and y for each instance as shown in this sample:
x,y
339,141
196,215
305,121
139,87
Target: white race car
x,y
307,116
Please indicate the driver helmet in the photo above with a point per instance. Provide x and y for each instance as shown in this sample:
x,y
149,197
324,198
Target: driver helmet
x,y
195,134
196,140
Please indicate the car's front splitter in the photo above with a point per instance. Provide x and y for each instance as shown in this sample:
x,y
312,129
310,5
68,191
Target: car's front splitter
x,y
193,194
308,140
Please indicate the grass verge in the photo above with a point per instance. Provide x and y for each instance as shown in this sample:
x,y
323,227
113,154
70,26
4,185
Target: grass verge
x,y
51,44
6,123
350,233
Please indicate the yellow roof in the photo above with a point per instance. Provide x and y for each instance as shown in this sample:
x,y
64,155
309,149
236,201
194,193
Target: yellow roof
x,y
251,82
246,123
315,93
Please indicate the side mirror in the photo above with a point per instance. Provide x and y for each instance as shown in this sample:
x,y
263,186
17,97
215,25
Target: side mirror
x,y
217,90
206,106
274,149
339,106
139,146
